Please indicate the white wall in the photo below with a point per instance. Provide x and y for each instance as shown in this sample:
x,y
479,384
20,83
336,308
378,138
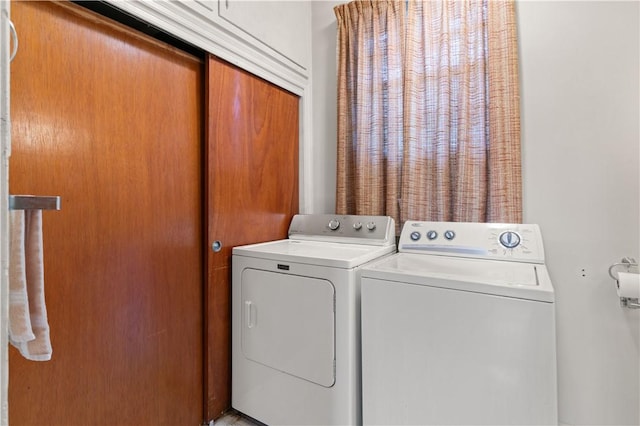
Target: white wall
x,y
324,97
581,161
580,97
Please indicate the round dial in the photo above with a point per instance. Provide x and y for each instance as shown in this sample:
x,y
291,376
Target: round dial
x,y
449,235
334,224
357,226
432,235
509,239
415,235
371,226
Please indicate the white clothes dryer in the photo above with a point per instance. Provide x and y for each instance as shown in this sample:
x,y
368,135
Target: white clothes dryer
x,y
458,328
296,319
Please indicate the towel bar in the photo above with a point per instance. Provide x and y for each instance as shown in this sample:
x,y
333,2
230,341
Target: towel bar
x,y
34,202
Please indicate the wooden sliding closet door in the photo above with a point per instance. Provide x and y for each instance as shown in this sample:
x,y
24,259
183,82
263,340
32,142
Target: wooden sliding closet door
x,y
251,194
111,120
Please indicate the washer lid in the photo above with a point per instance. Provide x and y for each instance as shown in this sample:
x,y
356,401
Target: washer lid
x,y
336,255
500,278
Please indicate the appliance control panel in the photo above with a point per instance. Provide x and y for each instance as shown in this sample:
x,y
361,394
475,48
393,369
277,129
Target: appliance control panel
x,y
500,241
354,229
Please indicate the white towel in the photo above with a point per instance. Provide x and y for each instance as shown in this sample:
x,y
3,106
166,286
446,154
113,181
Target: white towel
x,y
28,325
19,319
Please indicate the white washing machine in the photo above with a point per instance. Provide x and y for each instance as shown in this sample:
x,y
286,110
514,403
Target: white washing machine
x,y
295,320
458,328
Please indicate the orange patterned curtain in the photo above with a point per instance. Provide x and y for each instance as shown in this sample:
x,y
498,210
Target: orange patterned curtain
x,y
457,157
370,104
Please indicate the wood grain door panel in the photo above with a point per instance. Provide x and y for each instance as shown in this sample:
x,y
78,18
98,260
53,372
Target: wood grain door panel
x,y
251,193
111,121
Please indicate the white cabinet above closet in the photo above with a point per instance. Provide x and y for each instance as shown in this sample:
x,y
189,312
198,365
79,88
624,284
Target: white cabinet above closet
x,y
270,38
280,26
204,7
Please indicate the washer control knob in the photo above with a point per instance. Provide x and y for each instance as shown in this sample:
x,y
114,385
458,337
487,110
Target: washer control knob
x,y
449,235
334,224
357,226
432,235
415,235
371,226
509,239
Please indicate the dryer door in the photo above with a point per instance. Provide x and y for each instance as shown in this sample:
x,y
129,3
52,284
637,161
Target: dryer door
x,y
288,324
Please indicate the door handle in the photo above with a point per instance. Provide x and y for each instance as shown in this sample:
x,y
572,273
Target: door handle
x,y
14,37
216,246
249,312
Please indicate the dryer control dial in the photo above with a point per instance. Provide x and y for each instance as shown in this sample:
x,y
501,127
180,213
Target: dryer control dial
x,y
432,235
334,224
357,226
415,235
371,226
509,239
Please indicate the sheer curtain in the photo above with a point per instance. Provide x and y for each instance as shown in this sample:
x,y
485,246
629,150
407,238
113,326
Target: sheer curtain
x,y
457,154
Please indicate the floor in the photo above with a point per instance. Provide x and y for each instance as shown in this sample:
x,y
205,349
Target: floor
x,y
233,418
